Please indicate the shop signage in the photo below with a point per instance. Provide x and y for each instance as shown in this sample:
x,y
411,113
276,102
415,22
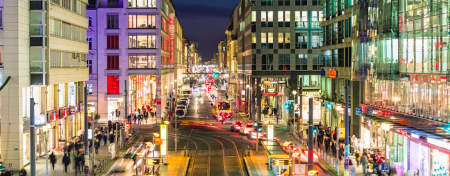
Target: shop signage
x,y
439,143
281,82
52,116
282,162
266,82
271,90
322,72
233,78
384,167
369,110
358,110
64,112
39,120
415,136
329,106
274,94
297,107
341,132
163,132
332,73
269,132
73,110
313,93
273,82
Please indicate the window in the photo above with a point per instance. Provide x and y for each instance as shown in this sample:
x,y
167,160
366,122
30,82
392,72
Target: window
x,y
301,40
141,3
263,19
280,41
66,4
315,19
89,40
90,21
1,18
141,21
315,2
287,40
112,41
267,62
141,41
266,2
76,6
112,62
305,2
280,18
89,89
89,65
280,2
270,18
263,41
301,62
66,30
287,19
141,61
253,16
253,61
113,84
253,40
55,27
316,61
284,62
112,21
287,2
297,2
270,40
76,33
316,40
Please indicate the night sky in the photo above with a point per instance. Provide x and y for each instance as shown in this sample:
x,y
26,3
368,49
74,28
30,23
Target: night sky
x,y
205,22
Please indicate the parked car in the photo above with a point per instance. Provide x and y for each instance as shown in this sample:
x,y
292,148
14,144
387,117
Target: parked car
x,y
181,102
185,99
180,113
246,128
183,108
236,125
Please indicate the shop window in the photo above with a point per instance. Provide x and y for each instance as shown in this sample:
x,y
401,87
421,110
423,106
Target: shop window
x,y
113,84
112,62
141,21
112,42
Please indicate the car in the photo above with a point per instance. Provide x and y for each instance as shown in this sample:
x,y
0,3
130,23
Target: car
x,y
236,125
246,128
253,135
229,119
182,102
222,116
183,108
185,99
180,113
264,138
304,156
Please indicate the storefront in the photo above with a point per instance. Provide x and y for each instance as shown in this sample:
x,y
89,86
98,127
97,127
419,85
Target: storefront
x,y
273,97
143,88
317,106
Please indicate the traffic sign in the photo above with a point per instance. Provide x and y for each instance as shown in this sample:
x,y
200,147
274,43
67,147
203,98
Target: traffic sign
x,y
158,141
384,167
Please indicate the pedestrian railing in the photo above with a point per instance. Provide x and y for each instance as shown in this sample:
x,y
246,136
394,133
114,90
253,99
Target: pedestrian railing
x,y
131,139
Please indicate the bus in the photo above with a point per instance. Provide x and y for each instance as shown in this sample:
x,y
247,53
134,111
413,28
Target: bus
x,y
222,110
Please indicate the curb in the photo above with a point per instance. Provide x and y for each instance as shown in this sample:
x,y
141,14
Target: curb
x,y
246,167
187,166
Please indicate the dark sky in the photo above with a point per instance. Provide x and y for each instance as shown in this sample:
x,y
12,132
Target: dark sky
x,y
205,22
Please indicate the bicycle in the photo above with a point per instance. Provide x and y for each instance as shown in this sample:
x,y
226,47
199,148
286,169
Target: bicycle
x,y
100,164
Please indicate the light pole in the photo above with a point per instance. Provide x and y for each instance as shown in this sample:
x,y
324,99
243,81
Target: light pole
x,y
92,110
294,124
46,128
120,100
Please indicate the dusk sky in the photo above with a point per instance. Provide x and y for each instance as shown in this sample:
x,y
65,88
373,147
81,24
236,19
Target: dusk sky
x,y
205,22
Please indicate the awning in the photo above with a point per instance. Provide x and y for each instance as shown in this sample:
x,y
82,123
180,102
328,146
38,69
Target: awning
x,y
275,150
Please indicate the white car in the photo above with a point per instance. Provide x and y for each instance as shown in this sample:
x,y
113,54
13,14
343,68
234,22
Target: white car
x,y
180,113
182,107
252,135
185,99
182,102
245,129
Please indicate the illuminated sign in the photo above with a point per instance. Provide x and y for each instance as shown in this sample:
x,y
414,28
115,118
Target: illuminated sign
x,y
312,93
281,82
163,132
39,120
271,90
269,132
63,112
332,73
154,162
266,82
415,136
282,162
439,143
273,82
53,115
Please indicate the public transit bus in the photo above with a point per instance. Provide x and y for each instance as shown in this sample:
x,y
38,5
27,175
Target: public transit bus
x,y
222,110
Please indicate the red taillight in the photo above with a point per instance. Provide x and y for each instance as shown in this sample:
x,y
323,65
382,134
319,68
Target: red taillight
x,y
236,126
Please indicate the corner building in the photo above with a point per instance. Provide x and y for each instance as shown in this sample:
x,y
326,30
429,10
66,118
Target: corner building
x,y
44,52
278,43
137,41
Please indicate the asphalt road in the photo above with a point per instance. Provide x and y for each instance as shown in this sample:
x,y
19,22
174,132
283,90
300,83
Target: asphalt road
x,y
215,149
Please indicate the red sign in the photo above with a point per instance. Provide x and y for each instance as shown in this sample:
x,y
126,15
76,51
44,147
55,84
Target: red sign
x,y
297,107
113,84
52,116
332,73
268,94
63,112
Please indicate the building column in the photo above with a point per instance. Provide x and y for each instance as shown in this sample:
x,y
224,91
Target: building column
x,y
355,122
293,84
258,99
253,98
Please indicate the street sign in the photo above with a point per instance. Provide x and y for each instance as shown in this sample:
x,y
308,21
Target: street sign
x,y
341,132
384,167
358,110
282,162
369,110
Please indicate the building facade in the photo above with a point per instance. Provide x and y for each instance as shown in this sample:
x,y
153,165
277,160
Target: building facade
x,y
140,43
278,45
44,54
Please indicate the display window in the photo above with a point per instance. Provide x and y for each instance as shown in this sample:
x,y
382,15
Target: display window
x,y
439,163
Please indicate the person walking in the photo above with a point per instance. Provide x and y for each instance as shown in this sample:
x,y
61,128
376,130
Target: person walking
x,y
135,118
53,160
341,151
105,139
146,116
364,162
358,157
96,146
111,137
333,148
66,161
8,172
23,172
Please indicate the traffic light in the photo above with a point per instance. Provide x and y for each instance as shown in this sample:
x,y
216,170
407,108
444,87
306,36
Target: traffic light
x,y
315,131
286,106
215,75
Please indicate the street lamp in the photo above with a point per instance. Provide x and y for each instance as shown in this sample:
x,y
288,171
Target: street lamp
x,y
294,124
45,129
92,110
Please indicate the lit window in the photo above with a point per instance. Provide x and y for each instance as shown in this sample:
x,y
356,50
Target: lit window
x,y
280,16
288,15
280,37
253,16
263,38
270,36
263,16
270,16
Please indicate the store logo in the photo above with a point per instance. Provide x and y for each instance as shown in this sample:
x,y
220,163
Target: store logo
x,y
332,73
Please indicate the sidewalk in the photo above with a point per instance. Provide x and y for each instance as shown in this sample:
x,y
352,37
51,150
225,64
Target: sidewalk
x,y
177,164
256,163
59,167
